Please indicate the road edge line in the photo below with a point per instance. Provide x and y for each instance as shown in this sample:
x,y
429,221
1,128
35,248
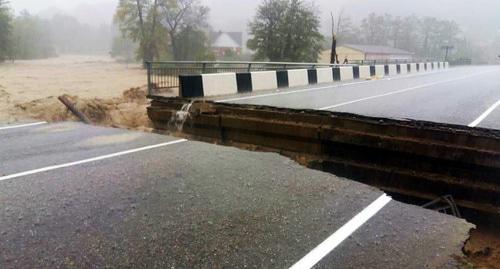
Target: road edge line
x,y
327,246
99,158
485,115
22,125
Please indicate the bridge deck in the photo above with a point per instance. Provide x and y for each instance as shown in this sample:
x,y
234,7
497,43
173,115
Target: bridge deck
x,y
456,96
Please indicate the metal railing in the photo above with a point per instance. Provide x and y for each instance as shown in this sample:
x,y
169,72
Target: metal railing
x,y
374,62
461,61
165,75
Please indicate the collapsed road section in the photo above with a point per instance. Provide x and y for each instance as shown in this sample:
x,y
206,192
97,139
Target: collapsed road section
x,y
414,158
121,199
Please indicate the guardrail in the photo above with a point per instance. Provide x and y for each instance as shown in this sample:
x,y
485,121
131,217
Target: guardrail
x,y
374,62
165,75
462,61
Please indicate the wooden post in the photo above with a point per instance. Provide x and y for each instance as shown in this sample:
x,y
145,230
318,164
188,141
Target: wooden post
x,y
74,110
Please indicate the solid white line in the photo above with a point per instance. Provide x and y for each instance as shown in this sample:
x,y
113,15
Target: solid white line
x,y
49,168
323,88
401,91
484,115
323,249
22,125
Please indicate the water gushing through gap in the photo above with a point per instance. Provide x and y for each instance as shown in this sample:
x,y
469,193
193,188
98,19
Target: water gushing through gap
x,y
180,117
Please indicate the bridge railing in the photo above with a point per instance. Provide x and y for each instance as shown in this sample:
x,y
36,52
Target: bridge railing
x,y
374,62
165,75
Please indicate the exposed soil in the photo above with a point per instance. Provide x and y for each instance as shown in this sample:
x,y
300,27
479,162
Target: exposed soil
x,y
483,247
109,93
127,111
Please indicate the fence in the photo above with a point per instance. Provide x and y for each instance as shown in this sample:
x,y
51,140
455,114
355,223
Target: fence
x,y
461,61
374,62
165,75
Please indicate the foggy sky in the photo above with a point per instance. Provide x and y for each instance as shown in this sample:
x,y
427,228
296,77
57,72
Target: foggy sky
x,y
234,15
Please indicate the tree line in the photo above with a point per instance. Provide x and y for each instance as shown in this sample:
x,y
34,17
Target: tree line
x,y
5,31
424,36
165,29
288,30
282,30
26,36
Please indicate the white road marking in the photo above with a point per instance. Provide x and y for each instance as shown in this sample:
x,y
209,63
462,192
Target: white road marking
x,y
401,91
322,88
127,152
274,94
484,115
23,125
327,246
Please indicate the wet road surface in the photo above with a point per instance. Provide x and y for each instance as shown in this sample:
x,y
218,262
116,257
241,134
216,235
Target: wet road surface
x,y
77,196
459,95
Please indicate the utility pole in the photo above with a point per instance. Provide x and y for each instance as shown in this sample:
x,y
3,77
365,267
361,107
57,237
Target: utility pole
x,y
447,48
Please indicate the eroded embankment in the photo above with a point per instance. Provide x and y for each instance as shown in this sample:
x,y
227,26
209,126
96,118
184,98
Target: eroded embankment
x,y
414,158
127,111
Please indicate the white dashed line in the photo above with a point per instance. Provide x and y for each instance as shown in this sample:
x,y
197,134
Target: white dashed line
x,y
127,152
484,115
22,125
317,254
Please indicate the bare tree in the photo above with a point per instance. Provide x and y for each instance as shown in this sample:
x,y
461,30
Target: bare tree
x,y
333,54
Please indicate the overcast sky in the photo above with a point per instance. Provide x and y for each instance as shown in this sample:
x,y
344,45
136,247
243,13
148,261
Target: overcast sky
x,y
233,15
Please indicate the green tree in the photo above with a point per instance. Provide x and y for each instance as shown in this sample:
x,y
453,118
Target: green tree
x,y
138,20
69,36
159,25
30,37
194,47
123,48
286,30
5,31
184,19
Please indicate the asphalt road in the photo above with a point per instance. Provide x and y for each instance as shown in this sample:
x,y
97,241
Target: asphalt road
x,y
463,95
77,196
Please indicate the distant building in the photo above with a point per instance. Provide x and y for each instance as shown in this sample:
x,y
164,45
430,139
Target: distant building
x,y
224,43
368,53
